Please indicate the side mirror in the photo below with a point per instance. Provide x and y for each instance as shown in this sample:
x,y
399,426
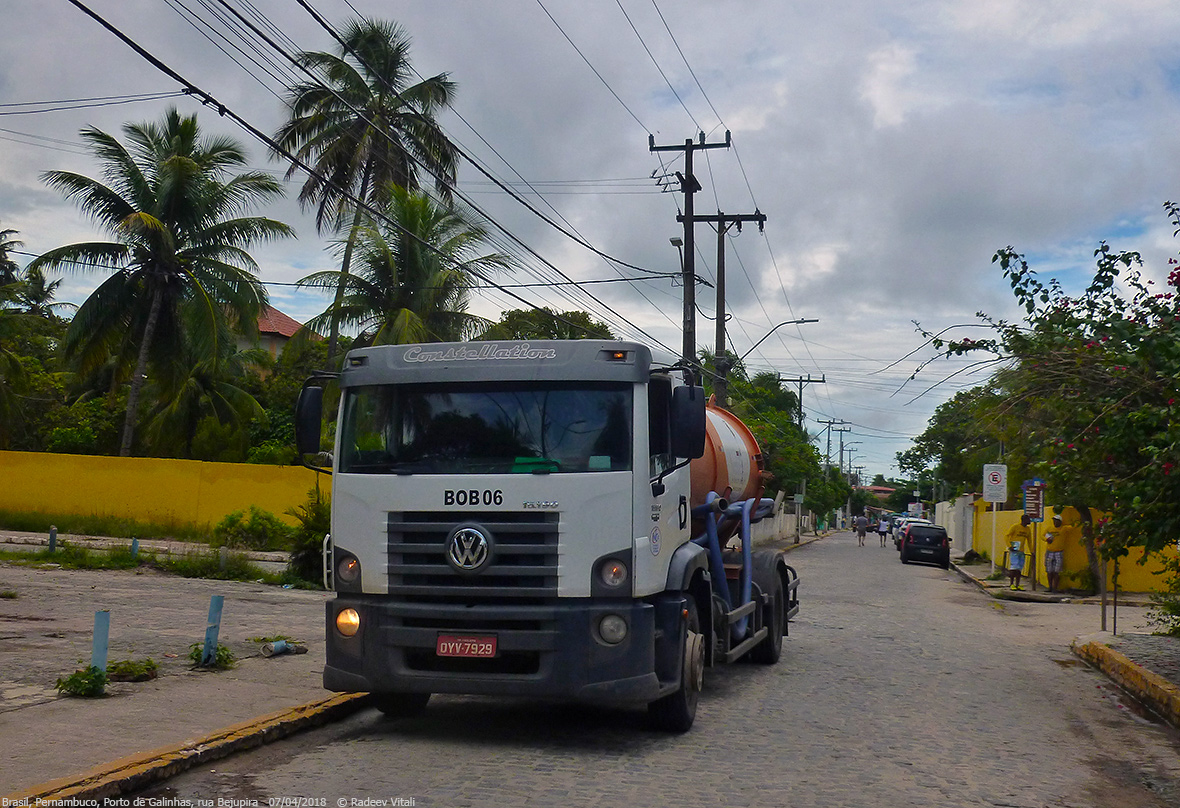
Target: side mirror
x,y
309,413
688,422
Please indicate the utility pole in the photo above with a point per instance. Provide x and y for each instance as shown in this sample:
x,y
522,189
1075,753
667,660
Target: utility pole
x,y
720,360
828,453
801,381
689,186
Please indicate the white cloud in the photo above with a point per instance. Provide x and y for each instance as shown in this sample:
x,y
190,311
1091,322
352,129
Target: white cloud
x,y
894,146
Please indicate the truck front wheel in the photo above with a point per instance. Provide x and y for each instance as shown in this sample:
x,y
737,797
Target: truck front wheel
x,y
400,705
676,711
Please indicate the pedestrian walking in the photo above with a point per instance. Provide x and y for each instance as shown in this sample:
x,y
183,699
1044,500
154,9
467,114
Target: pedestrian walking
x,y
862,527
882,528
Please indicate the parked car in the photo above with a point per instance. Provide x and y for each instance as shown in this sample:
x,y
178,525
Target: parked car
x,y
926,543
902,524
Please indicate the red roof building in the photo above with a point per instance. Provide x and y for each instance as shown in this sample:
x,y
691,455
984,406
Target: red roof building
x,y
275,330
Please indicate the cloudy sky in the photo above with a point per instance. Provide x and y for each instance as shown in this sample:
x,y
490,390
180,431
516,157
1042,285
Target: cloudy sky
x,y
893,145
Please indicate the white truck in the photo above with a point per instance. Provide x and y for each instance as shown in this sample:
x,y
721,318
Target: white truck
x,y
543,519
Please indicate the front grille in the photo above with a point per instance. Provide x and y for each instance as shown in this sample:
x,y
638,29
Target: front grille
x,y
523,569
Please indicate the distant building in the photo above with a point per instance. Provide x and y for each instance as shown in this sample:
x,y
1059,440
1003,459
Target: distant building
x,y
881,492
275,330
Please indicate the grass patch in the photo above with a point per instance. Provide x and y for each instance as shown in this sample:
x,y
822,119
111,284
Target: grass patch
x,y
96,525
75,557
208,565
197,564
272,638
133,670
8,594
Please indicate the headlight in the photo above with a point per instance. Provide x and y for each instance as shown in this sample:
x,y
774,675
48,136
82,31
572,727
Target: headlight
x,y
348,570
613,572
348,622
612,629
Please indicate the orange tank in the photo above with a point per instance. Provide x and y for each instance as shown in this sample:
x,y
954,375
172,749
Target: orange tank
x,y
732,464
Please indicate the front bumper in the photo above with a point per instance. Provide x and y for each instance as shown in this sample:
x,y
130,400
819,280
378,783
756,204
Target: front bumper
x,y
544,651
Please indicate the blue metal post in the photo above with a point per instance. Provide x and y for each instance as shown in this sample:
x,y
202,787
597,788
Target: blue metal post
x,y
134,548
212,630
102,633
52,538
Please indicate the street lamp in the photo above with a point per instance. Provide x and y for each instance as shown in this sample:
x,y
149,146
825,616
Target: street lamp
x,y
771,331
722,365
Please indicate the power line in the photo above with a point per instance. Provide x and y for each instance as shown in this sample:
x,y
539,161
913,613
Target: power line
x,y
225,111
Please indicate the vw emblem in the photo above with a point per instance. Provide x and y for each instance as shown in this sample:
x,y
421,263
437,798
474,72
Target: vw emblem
x,y
469,548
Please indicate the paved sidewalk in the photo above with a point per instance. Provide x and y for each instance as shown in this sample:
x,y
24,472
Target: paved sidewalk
x,y
46,632
1145,665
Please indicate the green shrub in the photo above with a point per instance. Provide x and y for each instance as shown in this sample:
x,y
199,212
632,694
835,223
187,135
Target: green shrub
x,y
223,658
208,565
72,440
272,453
1164,613
87,682
262,530
307,542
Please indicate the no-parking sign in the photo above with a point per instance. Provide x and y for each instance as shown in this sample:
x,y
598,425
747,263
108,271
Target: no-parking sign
x,y
995,482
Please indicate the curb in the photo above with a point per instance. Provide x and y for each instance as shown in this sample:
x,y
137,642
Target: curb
x,y
1153,690
138,771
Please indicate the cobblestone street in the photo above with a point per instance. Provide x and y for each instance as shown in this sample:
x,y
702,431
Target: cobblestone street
x,y
899,685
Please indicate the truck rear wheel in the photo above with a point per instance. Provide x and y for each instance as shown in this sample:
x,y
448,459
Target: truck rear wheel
x,y
769,650
676,711
400,705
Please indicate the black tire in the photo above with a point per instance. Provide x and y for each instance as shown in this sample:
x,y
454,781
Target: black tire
x,y
677,711
770,649
401,705
904,558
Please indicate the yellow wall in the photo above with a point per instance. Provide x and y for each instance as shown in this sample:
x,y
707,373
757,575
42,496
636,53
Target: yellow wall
x,y
164,491
1133,577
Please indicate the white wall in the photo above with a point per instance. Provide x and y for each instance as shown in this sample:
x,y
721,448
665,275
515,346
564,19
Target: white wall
x,y
957,516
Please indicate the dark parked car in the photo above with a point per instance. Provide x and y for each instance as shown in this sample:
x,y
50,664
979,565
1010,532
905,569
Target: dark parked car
x,y
927,543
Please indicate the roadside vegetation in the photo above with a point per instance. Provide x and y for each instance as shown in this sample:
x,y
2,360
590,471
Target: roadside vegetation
x,y
1083,396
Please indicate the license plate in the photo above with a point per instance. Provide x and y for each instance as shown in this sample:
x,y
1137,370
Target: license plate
x,y
449,645
927,550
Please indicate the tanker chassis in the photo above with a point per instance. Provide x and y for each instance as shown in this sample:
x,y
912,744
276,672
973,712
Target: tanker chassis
x,y
494,530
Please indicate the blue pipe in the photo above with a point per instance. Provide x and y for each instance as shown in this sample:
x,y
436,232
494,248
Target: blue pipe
x,y
745,511
712,543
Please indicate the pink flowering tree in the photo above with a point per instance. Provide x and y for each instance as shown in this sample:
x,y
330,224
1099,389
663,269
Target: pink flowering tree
x,y
1093,378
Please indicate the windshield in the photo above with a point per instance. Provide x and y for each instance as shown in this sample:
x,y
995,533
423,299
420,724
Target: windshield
x,y
519,427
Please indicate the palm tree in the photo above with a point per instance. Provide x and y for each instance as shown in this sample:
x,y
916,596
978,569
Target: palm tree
x,y
35,295
179,256
414,274
365,129
202,384
8,268
12,374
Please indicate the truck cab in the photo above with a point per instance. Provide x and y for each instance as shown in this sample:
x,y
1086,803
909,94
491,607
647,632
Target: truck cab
x,y
515,518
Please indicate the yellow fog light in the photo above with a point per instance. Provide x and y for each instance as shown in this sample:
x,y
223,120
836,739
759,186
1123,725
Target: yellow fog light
x,y
348,622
